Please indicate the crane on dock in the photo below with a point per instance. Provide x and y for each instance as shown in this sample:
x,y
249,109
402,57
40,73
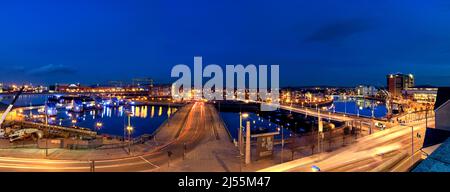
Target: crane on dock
x,y
21,133
10,106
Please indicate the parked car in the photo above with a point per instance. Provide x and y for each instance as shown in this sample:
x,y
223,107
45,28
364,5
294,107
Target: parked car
x,y
380,125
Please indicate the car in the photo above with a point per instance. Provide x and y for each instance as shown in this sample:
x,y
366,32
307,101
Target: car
x,y
380,125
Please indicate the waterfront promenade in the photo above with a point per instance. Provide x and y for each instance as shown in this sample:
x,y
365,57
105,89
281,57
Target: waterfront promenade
x,y
166,133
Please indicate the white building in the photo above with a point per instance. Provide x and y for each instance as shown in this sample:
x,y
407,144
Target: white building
x,y
366,91
421,94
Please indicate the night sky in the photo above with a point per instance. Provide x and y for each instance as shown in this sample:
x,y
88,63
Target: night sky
x,y
335,42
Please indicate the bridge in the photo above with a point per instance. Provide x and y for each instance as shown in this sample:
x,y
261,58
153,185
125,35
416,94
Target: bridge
x,y
340,117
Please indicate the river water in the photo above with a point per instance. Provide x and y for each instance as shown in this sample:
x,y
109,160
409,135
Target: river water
x,y
113,120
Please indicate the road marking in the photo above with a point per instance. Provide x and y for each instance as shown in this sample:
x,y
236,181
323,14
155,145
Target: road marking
x,y
149,162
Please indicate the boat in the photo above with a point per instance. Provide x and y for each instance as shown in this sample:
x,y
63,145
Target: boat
x,y
50,109
77,106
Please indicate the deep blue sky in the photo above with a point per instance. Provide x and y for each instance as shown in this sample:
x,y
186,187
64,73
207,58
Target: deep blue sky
x,y
334,42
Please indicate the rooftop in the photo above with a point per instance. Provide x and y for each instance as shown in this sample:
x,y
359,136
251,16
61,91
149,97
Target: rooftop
x,y
443,95
438,161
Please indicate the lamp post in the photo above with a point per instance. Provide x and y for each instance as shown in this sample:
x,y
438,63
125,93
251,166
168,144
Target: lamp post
x,y
169,111
329,117
282,142
306,109
319,133
98,125
74,121
46,140
247,143
241,116
345,105
129,129
290,108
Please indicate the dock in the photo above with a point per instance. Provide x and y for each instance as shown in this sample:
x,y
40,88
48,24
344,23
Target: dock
x,y
58,130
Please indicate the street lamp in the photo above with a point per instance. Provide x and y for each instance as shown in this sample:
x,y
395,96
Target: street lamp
x,y
290,108
99,125
247,143
129,130
329,116
241,116
345,106
282,142
74,121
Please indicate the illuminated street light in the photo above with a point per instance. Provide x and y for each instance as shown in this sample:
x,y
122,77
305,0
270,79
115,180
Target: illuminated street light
x,y
129,129
74,121
99,125
241,116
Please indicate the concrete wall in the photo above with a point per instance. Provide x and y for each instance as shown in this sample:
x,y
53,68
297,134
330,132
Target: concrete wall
x,y
443,117
51,143
4,143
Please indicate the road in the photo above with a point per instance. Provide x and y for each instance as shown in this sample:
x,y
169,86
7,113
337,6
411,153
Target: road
x,y
215,152
192,134
366,154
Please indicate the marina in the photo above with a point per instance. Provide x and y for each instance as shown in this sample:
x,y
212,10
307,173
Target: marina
x,y
109,120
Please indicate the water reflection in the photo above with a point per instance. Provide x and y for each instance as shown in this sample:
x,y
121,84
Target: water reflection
x,y
258,124
110,120
359,106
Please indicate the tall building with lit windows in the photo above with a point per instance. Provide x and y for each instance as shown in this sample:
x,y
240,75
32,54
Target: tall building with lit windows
x,y
396,83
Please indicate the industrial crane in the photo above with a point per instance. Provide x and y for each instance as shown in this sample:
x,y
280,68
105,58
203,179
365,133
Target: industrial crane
x,y
11,105
21,133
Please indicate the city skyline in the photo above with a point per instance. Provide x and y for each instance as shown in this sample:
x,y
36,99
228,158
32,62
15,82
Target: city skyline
x,y
356,42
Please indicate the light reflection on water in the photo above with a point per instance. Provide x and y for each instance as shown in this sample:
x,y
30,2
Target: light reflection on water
x,y
258,124
363,107
113,120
